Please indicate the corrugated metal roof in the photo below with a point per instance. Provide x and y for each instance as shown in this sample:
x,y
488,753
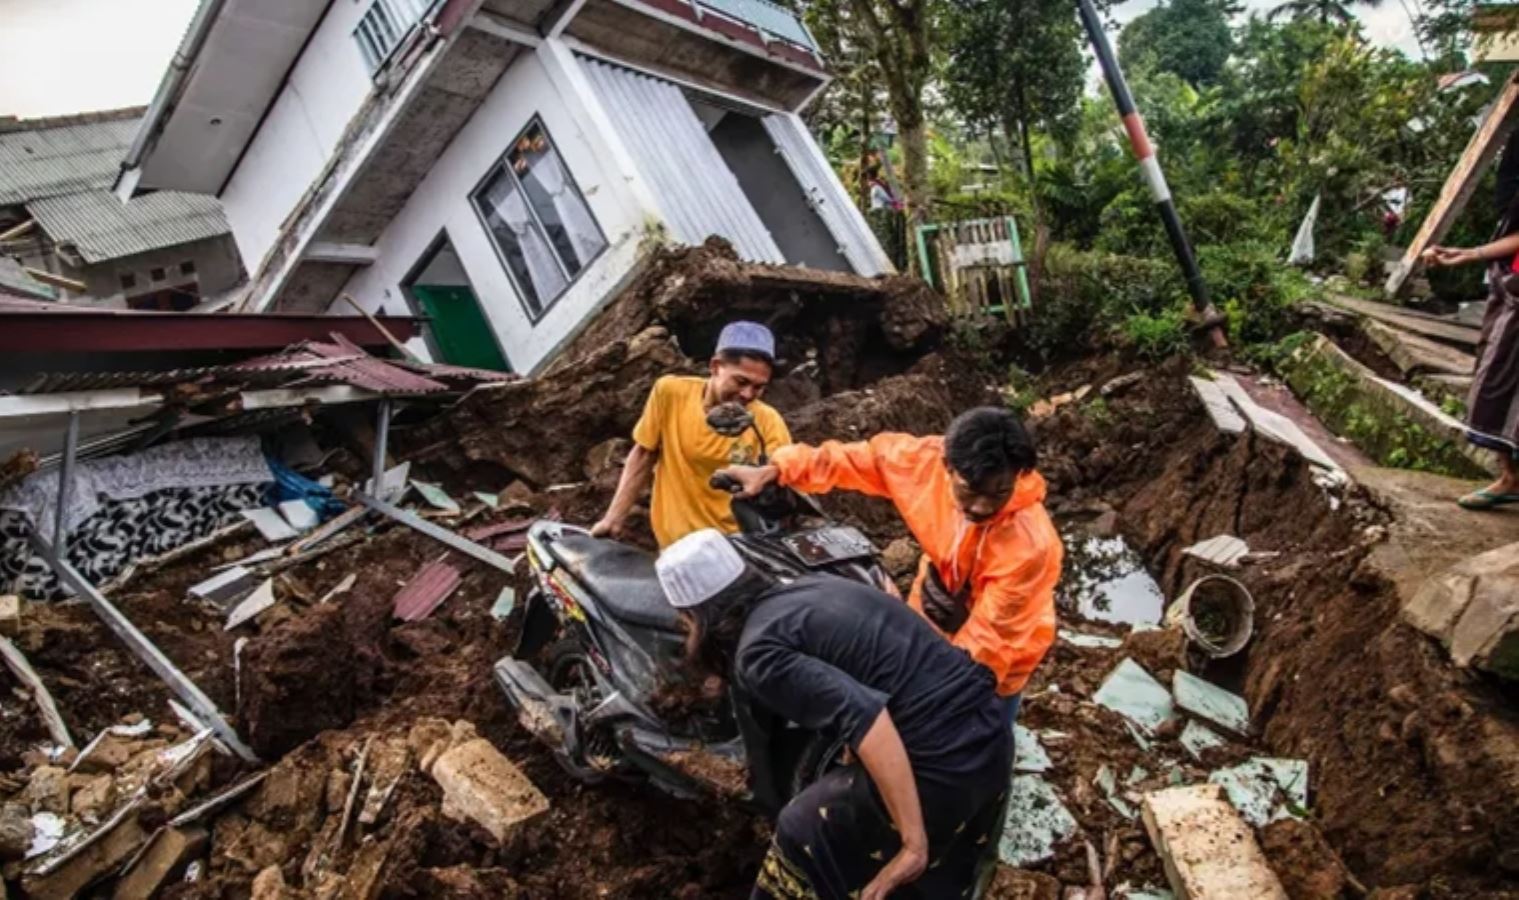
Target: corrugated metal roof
x,y
698,193
426,591
46,162
101,227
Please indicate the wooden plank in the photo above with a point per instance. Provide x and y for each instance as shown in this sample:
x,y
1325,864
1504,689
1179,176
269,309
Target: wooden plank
x,y
59,281
16,661
1462,181
1209,852
1450,332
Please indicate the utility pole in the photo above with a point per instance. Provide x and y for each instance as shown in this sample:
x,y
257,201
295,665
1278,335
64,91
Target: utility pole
x,y
1149,167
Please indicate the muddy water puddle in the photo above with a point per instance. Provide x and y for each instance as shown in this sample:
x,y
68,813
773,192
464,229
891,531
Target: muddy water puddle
x,y
1104,579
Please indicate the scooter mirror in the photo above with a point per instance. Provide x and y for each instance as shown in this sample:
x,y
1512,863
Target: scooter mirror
x,y
730,419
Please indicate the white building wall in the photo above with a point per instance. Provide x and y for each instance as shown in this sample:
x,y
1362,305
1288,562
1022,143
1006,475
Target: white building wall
x,y
300,133
537,84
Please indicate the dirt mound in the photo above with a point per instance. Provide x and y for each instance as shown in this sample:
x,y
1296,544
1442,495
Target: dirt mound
x,y
1404,754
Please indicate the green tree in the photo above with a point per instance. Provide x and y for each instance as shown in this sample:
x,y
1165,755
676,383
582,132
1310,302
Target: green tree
x,y
895,34
1190,39
1322,11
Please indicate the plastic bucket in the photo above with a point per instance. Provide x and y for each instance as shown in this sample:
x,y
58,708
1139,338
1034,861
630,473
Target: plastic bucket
x,y
1217,613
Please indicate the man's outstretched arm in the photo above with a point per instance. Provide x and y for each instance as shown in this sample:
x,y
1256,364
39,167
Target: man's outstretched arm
x,y
637,472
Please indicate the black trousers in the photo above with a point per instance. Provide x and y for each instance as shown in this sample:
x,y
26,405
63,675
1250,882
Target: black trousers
x,y
833,837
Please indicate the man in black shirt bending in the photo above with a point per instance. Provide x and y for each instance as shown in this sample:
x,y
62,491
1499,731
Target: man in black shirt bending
x,y
917,813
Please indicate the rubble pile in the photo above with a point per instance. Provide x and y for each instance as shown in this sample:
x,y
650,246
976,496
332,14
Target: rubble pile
x,y
355,655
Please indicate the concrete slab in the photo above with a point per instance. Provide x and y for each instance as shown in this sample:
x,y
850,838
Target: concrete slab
x,y
1273,425
1208,851
1416,355
1390,422
1472,608
1428,533
1278,398
1225,417
1429,326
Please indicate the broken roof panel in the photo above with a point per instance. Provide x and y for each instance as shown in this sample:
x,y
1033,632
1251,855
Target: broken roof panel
x,y
101,227
48,157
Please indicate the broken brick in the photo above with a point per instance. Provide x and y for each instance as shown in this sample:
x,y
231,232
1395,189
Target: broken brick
x,y
482,785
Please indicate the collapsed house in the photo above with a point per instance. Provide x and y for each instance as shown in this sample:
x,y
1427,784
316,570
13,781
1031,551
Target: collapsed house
x,y
501,166
64,236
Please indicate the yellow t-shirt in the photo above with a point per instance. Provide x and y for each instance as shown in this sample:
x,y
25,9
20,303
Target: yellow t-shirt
x,y
675,424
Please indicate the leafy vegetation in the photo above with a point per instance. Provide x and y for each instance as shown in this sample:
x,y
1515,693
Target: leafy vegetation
x,y
1254,116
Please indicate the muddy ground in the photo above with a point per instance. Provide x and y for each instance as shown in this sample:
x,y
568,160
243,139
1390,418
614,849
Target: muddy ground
x,y
1402,782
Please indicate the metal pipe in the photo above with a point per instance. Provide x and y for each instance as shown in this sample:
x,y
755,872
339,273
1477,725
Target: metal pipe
x,y
440,534
66,481
381,438
1149,167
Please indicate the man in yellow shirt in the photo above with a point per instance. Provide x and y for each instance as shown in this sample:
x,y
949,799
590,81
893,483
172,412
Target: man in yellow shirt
x,y
673,444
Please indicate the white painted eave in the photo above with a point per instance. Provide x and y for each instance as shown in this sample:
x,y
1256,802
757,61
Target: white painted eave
x,y
209,114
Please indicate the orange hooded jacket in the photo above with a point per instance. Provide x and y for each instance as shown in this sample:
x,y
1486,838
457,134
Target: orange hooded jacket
x,y
1012,560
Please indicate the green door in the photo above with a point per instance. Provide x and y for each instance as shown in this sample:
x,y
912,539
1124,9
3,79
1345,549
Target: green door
x,y
459,327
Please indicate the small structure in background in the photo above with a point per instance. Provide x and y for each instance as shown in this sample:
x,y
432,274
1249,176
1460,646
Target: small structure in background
x,y
70,238
978,264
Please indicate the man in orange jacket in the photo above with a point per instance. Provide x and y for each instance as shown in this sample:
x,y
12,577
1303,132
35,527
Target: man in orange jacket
x,y
991,555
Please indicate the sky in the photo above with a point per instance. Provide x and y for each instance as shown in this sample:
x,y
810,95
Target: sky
x,y
68,56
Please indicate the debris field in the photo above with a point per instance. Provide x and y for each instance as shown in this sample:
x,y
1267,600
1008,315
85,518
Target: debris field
x,y
1340,746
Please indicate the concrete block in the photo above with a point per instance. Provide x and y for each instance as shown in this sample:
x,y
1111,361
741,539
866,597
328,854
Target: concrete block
x,y
1209,852
1473,609
166,856
482,785
1487,635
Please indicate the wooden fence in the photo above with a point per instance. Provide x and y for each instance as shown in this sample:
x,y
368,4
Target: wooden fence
x,y
978,264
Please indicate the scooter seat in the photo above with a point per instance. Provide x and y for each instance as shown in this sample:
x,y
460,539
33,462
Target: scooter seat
x,y
621,577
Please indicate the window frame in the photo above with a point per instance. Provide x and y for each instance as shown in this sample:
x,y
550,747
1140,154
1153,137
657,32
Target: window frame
x,y
501,165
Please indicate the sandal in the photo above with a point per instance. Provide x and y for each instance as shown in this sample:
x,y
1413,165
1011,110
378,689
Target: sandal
x,y
1486,499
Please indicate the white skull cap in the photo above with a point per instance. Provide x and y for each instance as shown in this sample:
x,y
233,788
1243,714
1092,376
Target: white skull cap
x,y
697,567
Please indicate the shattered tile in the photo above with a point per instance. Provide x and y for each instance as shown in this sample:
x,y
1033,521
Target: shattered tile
x,y
506,601
1037,821
1208,701
270,524
436,497
1265,789
300,515
1224,550
225,587
1197,737
491,500
261,599
1028,752
1134,694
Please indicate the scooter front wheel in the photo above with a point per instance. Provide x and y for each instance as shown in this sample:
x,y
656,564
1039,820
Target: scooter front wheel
x,y
570,671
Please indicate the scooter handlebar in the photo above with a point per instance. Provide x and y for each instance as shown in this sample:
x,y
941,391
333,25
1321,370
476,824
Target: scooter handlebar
x,y
727,483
